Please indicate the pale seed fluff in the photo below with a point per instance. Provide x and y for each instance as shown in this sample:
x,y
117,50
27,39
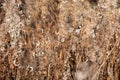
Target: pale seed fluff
x,y
79,75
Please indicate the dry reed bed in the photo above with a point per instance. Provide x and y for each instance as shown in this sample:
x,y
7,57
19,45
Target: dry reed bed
x,y
59,40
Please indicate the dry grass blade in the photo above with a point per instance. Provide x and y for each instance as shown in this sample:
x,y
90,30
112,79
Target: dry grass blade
x,y
109,53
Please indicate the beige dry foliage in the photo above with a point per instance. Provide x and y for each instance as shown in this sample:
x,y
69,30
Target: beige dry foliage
x,y
59,39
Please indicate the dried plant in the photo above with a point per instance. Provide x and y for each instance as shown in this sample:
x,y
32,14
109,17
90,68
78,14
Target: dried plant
x,y
59,40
